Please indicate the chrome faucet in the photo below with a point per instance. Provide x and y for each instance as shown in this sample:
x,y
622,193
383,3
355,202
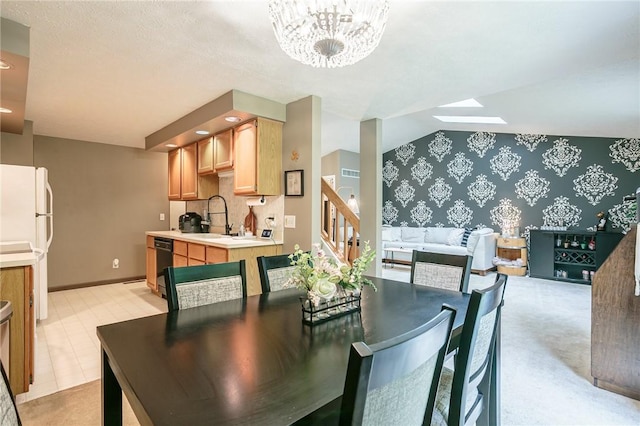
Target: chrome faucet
x,y
227,227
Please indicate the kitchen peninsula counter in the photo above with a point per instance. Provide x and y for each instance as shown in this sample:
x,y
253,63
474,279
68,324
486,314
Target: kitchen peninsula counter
x,y
197,249
216,240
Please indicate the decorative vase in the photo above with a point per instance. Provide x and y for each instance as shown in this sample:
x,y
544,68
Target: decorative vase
x,y
316,310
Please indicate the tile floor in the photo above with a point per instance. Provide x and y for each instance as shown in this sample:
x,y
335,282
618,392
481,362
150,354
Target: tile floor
x,y
67,351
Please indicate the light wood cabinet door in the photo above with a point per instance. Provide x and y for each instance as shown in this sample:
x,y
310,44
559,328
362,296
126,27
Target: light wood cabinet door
x,y
179,261
180,247
257,147
16,286
223,150
205,156
216,255
175,178
196,252
189,172
245,155
151,269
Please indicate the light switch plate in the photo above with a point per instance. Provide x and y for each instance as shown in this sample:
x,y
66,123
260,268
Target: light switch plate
x,y
289,221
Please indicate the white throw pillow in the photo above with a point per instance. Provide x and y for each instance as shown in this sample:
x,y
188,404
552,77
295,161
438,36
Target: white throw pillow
x,y
437,235
396,234
386,234
412,235
455,237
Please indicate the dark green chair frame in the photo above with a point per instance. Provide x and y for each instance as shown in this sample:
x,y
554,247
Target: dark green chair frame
x,y
266,263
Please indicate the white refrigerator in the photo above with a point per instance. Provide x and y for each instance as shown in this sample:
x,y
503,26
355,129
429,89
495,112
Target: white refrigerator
x,y
26,214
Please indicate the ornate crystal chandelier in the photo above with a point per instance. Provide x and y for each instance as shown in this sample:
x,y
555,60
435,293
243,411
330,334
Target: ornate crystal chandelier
x,y
328,33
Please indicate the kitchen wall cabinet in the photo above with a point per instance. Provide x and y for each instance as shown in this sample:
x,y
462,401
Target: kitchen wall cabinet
x,y
257,147
189,172
223,150
184,181
175,160
152,281
16,286
205,156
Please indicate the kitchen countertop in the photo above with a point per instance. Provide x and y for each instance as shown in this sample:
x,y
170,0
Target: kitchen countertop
x,y
17,253
215,240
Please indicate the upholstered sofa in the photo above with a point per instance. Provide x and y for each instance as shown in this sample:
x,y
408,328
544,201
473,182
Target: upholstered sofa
x,y
480,243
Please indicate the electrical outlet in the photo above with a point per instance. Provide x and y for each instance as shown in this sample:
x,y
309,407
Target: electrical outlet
x,y
161,216
272,218
116,263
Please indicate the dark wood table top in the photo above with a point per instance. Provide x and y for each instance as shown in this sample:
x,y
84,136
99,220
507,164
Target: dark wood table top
x,y
252,361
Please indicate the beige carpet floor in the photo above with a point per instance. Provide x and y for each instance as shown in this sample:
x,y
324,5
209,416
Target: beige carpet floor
x,y
77,406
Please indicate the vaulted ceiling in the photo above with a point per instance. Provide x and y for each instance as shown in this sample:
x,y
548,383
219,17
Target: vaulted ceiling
x,y
115,72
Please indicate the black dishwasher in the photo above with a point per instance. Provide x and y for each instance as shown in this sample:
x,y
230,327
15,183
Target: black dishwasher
x,y
164,259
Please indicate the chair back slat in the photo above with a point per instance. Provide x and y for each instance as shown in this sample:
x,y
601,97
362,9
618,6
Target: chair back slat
x,y
206,292
447,271
192,286
274,272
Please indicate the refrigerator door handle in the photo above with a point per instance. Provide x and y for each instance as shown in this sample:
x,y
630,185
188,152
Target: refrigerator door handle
x,y
50,215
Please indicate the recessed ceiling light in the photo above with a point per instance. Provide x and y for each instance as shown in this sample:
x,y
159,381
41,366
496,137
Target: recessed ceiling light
x,y
469,119
171,145
4,65
5,111
202,132
232,119
467,103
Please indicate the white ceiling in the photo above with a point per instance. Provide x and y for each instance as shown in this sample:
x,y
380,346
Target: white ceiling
x,y
115,72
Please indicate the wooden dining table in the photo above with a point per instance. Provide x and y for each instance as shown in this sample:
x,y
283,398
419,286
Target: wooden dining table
x,y
252,360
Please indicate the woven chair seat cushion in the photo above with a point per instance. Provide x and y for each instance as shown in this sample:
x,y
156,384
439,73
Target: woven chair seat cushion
x,y
441,410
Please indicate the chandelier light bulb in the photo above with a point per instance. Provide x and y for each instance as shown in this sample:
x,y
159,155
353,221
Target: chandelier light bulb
x,y
328,33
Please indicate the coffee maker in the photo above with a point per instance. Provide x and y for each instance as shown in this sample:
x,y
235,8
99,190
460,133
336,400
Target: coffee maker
x,y
190,222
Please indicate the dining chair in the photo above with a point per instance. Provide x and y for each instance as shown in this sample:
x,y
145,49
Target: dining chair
x,y
459,401
274,272
447,271
382,380
191,286
8,411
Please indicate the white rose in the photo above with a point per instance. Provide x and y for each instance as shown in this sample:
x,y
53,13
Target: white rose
x,y
324,288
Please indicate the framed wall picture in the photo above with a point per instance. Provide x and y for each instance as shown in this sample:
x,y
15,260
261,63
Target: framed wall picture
x,y
294,183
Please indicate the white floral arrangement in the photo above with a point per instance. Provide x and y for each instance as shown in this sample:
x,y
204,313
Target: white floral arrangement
x,y
323,278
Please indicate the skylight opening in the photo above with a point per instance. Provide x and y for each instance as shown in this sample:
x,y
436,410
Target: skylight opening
x,y
470,119
467,103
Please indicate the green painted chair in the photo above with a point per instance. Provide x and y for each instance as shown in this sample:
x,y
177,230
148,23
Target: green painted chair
x,y
274,272
191,286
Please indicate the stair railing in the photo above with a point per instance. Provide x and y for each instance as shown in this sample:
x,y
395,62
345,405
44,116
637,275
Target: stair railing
x,y
340,226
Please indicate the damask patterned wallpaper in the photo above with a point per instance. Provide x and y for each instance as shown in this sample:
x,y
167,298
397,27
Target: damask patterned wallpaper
x,y
453,178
